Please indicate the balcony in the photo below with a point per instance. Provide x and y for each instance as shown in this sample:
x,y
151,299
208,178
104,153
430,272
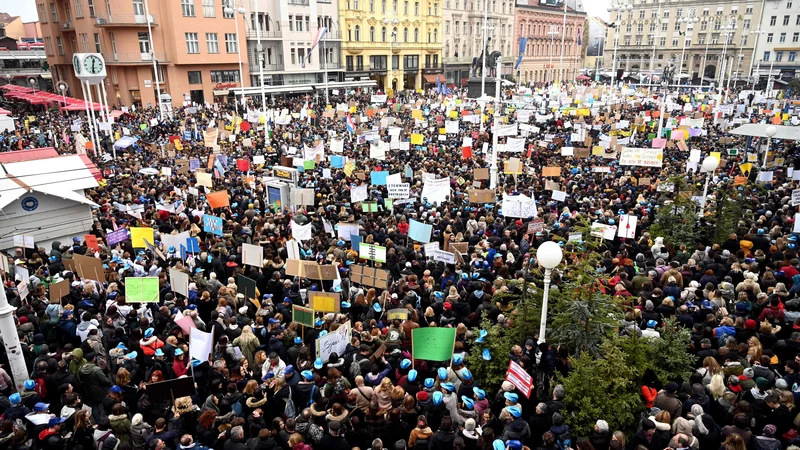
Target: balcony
x,y
274,34
433,68
66,26
254,70
457,61
124,20
133,59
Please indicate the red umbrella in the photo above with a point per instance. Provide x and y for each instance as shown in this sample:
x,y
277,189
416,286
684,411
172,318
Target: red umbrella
x,y
582,78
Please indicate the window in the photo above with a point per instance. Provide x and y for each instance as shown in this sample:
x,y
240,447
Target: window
x,y
628,27
748,9
348,61
60,45
796,37
411,62
48,46
778,56
359,62
627,40
192,46
734,10
701,39
447,27
436,13
435,35
308,23
666,14
371,5
195,77
298,23
788,4
662,42
769,37
212,42
291,24
84,42
766,56
416,8
664,26
231,46
78,9
675,42
640,28
719,10
782,38
405,34
703,26
792,55
208,11
187,8
416,34
224,76
383,6
372,34
377,62
358,33
772,20
53,13
786,20
677,27
705,11
405,8
714,38
42,14
744,40
97,43
797,22
383,34
746,24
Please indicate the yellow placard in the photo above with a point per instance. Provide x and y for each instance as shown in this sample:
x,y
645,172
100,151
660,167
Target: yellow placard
x,y
416,114
138,236
442,131
717,155
453,114
416,139
597,150
352,110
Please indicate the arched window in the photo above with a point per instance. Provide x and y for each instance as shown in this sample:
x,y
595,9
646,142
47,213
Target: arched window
x,y
435,35
405,34
358,33
394,35
383,34
429,37
416,34
372,34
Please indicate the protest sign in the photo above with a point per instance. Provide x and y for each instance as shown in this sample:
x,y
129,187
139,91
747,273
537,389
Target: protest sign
x,y
302,315
642,157
252,255
324,301
139,235
333,342
433,344
419,231
201,344
399,190
212,224
117,236
141,289
372,252
521,379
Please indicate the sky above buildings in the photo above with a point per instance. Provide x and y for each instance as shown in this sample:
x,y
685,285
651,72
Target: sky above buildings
x,y
27,9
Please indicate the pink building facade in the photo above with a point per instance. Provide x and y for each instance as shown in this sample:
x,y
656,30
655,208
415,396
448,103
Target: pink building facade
x,y
542,24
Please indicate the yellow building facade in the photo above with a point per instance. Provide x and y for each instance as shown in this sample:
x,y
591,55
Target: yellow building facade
x,y
398,43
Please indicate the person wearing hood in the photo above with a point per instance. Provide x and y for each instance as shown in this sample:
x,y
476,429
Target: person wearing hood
x,y
767,439
87,323
683,435
150,343
708,432
422,432
95,384
514,426
140,430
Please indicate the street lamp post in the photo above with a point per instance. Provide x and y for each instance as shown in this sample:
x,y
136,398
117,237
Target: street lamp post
x,y
709,165
758,33
727,33
618,9
769,78
563,46
495,119
260,59
770,131
229,9
552,33
392,37
153,58
689,21
549,255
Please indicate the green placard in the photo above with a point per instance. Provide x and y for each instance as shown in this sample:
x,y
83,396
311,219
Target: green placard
x,y
141,289
309,164
369,206
303,316
388,203
435,344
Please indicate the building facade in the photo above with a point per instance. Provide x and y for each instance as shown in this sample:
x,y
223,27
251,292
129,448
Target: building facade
x,y
777,42
287,29
464,29
398,43
654,34
194,44
542,22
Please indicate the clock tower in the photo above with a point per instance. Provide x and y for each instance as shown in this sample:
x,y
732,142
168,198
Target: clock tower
x,y
89,67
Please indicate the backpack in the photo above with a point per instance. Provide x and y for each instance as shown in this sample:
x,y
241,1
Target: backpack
x,y
564,441
355,367
339,389
40,387
289,410
102,440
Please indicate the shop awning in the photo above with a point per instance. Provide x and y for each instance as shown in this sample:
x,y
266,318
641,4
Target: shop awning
x,y
432,78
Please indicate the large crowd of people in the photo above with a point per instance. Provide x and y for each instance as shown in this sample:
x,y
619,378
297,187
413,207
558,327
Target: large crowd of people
x,y
92,354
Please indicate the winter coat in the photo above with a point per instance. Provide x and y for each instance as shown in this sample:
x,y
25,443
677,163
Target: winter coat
x,y
95,383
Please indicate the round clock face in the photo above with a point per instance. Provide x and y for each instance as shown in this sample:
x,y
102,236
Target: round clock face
x,y
76,62
93,64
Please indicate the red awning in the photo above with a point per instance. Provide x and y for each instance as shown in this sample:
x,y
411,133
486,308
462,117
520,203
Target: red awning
x,y
28,155
14,88
92,168
432,78
81,107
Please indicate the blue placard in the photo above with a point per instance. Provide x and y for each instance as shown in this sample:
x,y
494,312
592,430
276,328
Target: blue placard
x,y
378,178
355,241
419,231
337,162
193,245
212,224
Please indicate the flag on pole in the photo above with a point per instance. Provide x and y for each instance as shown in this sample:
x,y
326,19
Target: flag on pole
x,y
523,43
320,33
351,127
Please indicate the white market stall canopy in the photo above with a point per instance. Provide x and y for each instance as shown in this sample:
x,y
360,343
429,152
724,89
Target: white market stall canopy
x,y
63,177
759,130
